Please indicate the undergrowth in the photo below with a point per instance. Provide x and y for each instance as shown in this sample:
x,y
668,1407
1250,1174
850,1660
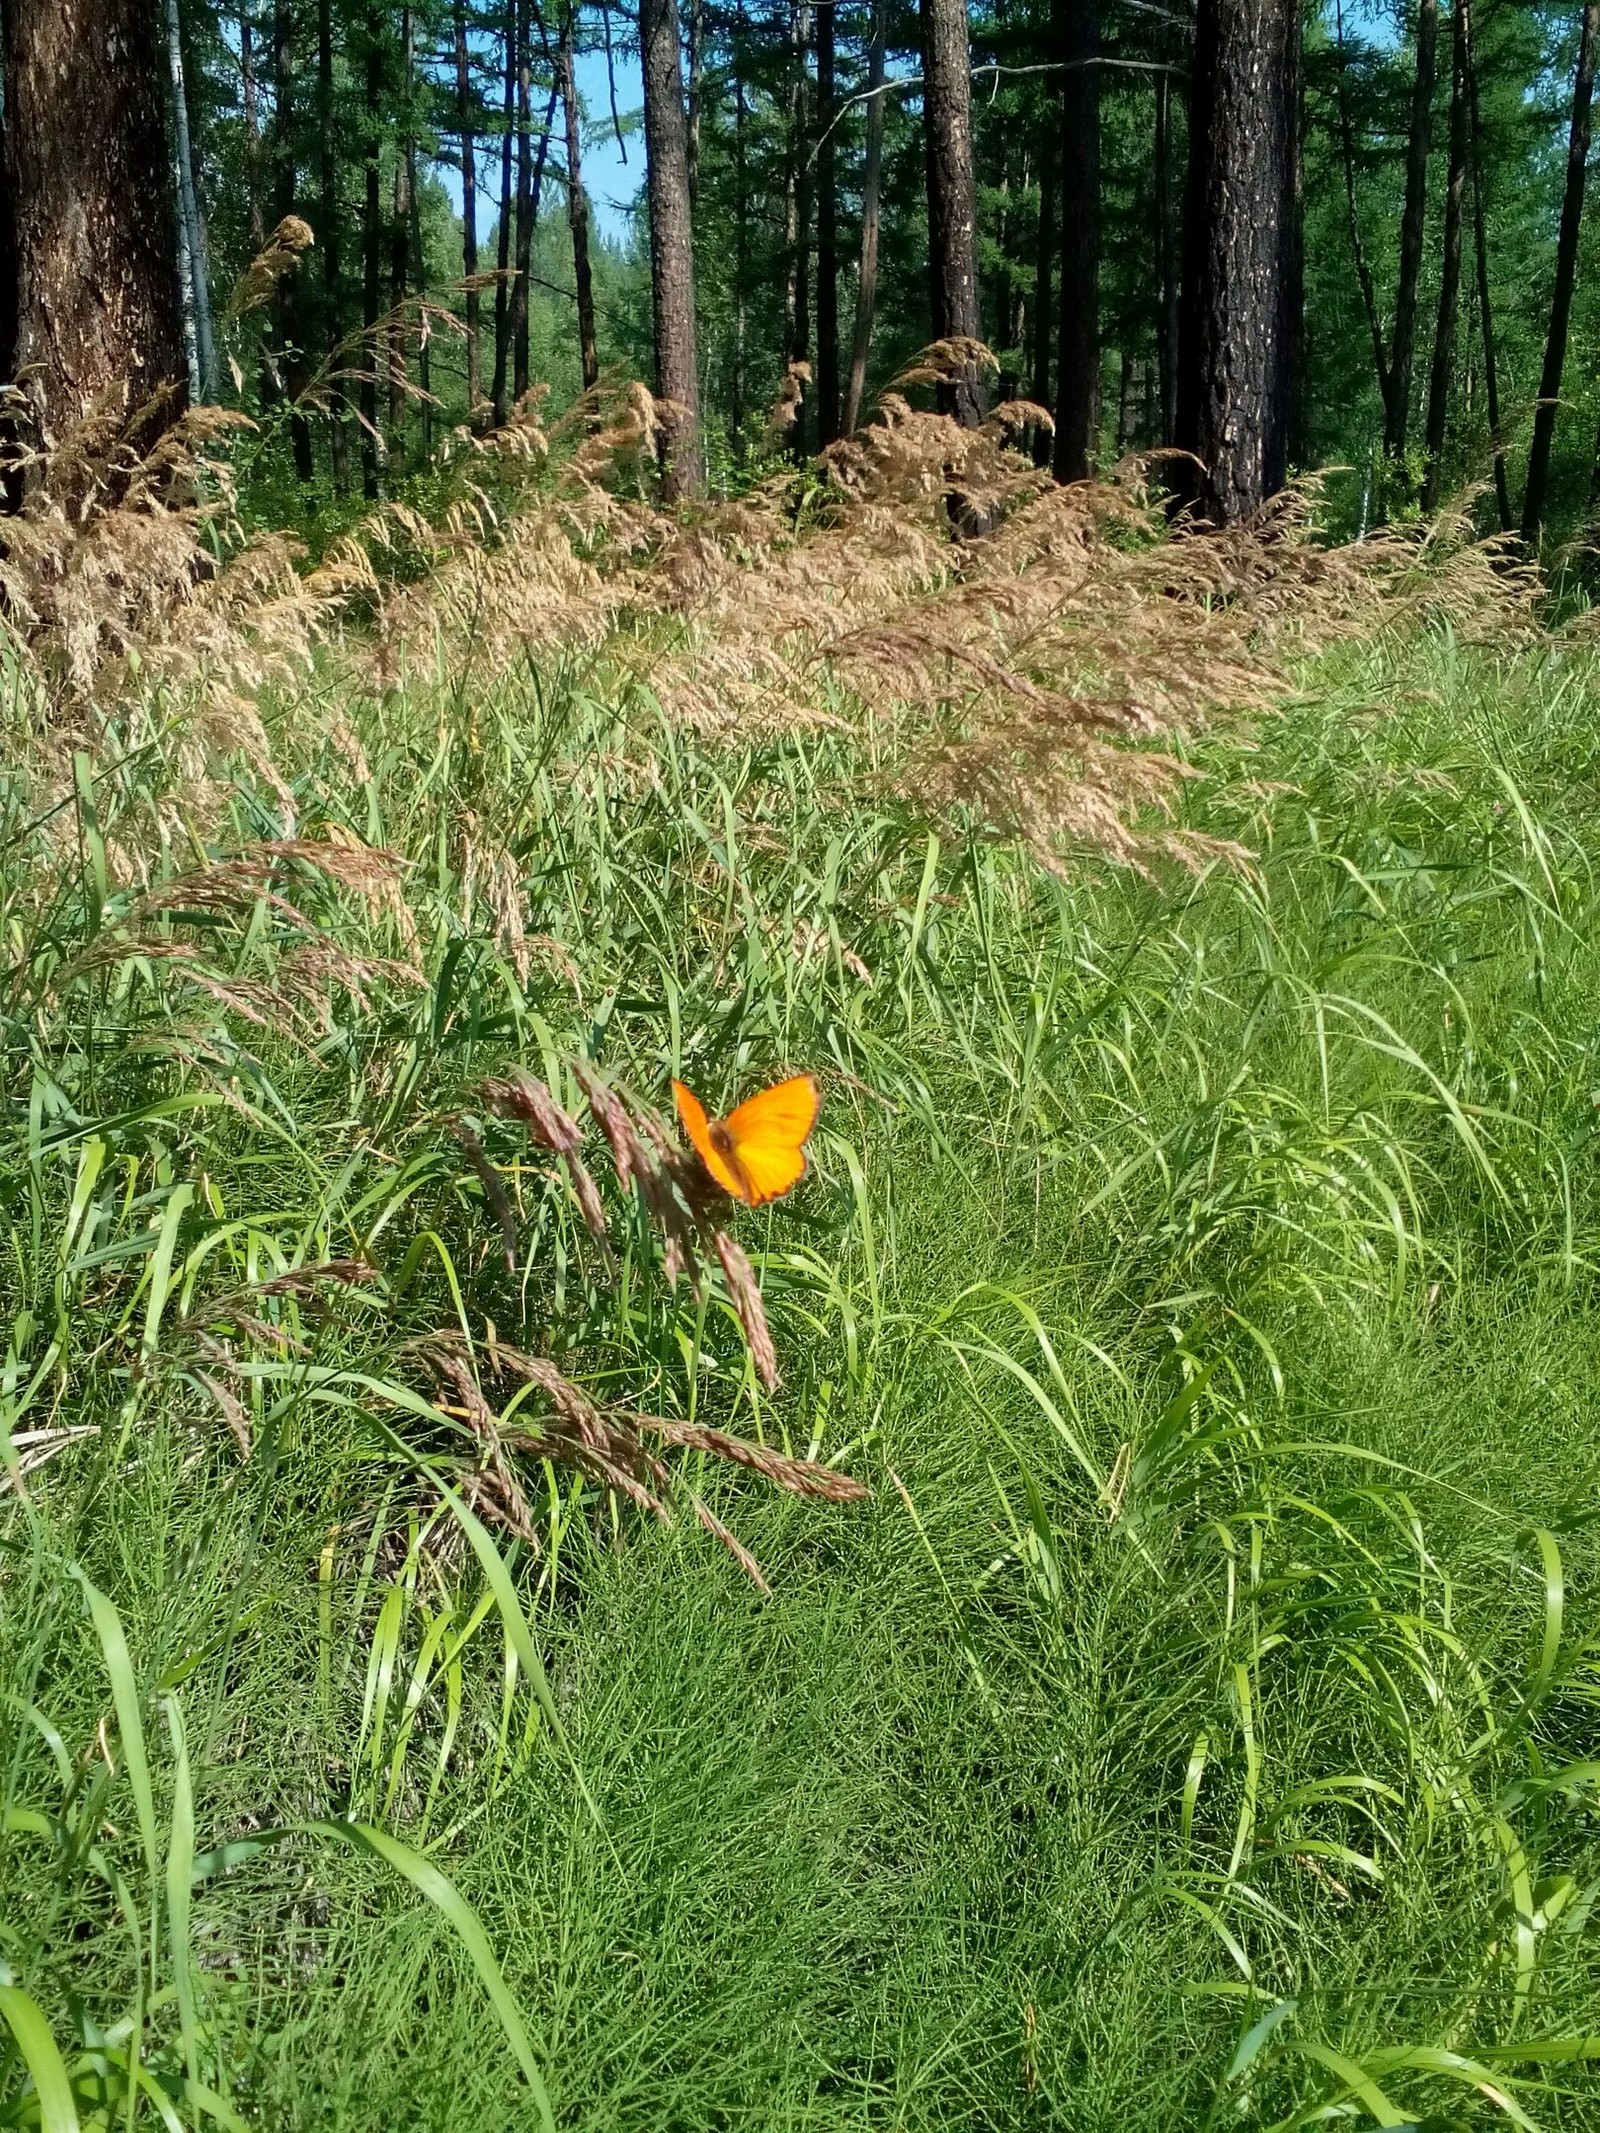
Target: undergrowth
x,y
454,1672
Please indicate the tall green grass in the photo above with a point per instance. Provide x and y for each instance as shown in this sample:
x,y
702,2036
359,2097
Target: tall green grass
x,y
1198,1727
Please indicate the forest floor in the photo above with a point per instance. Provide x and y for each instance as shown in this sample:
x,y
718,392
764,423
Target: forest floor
x,y
1196,1726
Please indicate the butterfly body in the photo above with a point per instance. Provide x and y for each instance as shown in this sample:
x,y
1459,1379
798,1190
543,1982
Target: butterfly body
x,y
756,1153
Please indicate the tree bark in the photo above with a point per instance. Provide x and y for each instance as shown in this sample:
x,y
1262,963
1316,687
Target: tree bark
x,y
871,214
1236,363
502,287
205,379
1078,379
1167,269
578,207
524,230
1480,236
1442,373
1555,350
290,330
372,250
329,238
98,315
400,247
827,234
952,199
1043,309
666,139
469,209
1412,222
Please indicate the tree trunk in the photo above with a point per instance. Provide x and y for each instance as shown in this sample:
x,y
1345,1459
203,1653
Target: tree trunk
x,y
1043,310
400,248
827,234
804,195
1347,146
1444,339
290,331
1167,270
502,287
578,207
329,238
741,228
1555,350
1412,221
1480,236
696,41
952,200
372,249
871,213
524,231
98,310
1236,363
469,210
255,221
666,139
205,380
1078,378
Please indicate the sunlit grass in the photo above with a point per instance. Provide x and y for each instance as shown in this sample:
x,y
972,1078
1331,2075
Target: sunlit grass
x,y
1197,1728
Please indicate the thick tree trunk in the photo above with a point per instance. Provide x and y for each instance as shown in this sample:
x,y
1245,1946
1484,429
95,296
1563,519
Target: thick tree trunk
x,y
502,287
1078,380
469,210
291,333
88,186
1044,260
1167,266
666,141
578,208
1442,374
1412,221
1555,349
827,234
1236,365
372,249
329,238
871,214
1480,236
952,200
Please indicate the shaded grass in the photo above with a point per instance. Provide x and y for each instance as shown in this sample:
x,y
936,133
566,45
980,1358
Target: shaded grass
x,y
1201,1273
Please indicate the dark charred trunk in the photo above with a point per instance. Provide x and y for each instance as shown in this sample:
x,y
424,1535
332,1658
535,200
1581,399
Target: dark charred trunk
x,y
1236,363
1555,347
578,208
952,200
871,212
1078,380
666,137
1442,374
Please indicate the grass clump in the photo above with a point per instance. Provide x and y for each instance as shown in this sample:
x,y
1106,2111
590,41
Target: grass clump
x,y
1194,1726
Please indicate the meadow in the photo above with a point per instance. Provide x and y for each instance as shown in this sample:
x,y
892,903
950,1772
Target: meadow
x,y
1127,1657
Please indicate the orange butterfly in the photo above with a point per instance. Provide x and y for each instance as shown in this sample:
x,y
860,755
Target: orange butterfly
x,y
758,1151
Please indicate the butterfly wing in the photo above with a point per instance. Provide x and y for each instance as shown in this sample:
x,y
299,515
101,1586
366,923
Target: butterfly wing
x,y
692,1117
768,1134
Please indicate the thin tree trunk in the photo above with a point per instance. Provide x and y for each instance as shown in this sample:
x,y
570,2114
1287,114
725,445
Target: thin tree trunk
x,y
1043,309
252,134
578,207
1236,365
524,232
696,40
502,287
1078,380
1442,374
329,238
419,283
290,332
1480,236
203,383
469,211
805,191
1555,351
372,251
741,227
671,250
1412,222
793,149
1347,146
1166,264
952,199
400,248
871,213
827,235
